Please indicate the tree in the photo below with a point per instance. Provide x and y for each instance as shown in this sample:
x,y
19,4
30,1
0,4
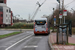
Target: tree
x,y
69,16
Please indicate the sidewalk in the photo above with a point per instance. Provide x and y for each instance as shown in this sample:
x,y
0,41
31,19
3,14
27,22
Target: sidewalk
x,y
52,39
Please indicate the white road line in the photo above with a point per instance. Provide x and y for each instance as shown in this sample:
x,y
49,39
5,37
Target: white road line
x,y
17,42
30,46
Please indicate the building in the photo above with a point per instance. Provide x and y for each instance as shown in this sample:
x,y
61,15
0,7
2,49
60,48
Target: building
x,y
3,1
5,14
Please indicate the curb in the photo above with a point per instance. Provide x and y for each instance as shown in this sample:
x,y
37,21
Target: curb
x,y
50,44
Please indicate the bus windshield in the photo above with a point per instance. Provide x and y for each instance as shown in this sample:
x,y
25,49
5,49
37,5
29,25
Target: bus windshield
x,y
40,22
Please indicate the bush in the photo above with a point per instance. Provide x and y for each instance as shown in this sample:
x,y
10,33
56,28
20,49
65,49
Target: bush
x,y
22,25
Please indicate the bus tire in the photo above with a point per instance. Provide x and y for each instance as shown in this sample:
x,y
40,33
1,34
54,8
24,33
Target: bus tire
x,y
35,34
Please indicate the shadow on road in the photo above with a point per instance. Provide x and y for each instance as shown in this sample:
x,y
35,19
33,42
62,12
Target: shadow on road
x,y
41,34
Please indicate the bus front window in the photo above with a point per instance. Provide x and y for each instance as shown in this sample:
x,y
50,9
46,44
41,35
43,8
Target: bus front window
x,y
40,22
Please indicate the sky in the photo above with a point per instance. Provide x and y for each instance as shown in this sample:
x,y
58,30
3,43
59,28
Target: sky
x,y
26,7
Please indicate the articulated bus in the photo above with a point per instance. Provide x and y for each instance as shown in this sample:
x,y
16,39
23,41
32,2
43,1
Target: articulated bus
x,y
41,26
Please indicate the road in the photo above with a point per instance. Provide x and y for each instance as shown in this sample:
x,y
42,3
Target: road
x,y
2,32
25,41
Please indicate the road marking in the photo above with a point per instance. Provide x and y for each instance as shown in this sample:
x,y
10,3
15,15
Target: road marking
x,y
30,46
17,42
38,37
29,32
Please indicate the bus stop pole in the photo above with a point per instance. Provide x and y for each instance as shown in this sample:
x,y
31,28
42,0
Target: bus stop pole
x,y
67,35
64,19
57,33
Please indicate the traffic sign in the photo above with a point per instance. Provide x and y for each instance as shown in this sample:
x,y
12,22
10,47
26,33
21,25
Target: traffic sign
x,y
54,16
54,19
64,12
60,15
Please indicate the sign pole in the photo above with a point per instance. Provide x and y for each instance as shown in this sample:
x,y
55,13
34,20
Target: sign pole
x,y
64,19
54,20
53,17
64,14
60,30
60,20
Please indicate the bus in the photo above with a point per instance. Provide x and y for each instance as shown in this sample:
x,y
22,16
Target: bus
x,y
41,26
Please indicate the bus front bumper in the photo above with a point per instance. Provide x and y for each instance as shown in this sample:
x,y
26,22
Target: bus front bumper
x,y
40,32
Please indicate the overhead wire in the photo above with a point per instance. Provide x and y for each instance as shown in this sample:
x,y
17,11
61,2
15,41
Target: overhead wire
x,y
69,3
38,9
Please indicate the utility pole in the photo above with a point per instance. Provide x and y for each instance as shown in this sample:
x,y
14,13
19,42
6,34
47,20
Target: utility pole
x,y
62,9
53,18
59,11
29,17
62,17
58,23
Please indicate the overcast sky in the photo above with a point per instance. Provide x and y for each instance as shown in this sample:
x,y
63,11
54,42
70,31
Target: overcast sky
x,y
26,7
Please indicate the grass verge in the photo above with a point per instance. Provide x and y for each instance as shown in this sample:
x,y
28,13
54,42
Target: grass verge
x,y
10,34
70,44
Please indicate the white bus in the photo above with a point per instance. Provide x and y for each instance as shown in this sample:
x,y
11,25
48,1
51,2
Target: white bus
x,y
41,26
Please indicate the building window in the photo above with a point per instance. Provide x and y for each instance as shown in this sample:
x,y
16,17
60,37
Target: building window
x,y
7,10
1,8
10,10
1,1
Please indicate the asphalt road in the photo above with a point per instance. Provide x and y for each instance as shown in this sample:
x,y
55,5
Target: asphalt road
x,y
25,41
2,32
